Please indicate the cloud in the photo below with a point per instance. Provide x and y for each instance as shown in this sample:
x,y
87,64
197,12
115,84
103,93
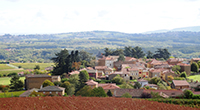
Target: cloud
x,y
102,13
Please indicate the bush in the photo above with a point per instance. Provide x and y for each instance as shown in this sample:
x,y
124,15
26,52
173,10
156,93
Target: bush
x,y
19,66
64,79
183,74
57,83
146,95
179,78
47,83
85,91
170,77
126,95
1,75
117,79
154,80
12,74
188,94
137,85
98,92
109,93
34,93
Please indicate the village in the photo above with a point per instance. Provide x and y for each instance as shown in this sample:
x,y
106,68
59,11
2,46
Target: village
x,y
133,76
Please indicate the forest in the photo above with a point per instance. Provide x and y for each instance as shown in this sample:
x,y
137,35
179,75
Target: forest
x,y
42,47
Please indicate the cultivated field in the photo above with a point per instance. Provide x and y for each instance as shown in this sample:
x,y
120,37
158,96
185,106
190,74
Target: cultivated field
x,y
6,80
4,66
11,71
32,65
84,103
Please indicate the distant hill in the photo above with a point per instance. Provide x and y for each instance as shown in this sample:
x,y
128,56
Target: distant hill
x,y
192,29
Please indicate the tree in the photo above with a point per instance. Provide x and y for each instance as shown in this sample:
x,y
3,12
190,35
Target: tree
x,y
76,65
83,77
183,74
194,67
74,79
37,67
198,63
176,68
121,57
69,88
137,85
126,95
85,91
109,93
98,92
188,94
126,86
128,51
149,54
16,84
107,51
170,77
138,51
117,79
155,80
83,55
47,83
162,53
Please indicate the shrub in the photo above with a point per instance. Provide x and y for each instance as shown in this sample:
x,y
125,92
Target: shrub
x,y
117,79
57,83
183,74
154,80
179,78
19,66
98,92
146,95
188,94
85,91
12,74
126,95
34,93
64,79
47,83
137,85
170,77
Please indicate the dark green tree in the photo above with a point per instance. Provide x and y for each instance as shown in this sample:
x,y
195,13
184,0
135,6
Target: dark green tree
x,y
183,74
161,53
37,67
109,93
16,84
69,88
198,63
107,51
98,92
176,68
83,77
137,85
194,67
128,51
85,91
117,79
121,57
139,53
85,56
118,52
188,94
149,54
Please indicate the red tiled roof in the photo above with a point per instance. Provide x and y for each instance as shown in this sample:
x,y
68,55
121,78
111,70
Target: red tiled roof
x,y
100,67
91,82
180,83
130,59
109,86
89,68
183,64
74,72
197,59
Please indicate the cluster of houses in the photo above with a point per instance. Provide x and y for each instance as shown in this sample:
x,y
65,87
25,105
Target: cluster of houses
x,y
131,68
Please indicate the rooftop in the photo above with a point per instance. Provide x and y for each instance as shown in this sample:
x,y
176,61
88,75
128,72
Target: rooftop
x,y
91,82
180,83
52,89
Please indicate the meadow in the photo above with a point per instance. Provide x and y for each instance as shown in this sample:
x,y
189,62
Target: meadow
x,y
11,71
32,65
6,80
194,77
11,94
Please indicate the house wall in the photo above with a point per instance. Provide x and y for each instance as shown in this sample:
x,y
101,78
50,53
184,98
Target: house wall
x,y
53,93
109,63
187,69
35,82
134,74
178,87
101,63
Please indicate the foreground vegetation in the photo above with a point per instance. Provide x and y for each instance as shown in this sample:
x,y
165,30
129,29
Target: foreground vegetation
x,y
11,94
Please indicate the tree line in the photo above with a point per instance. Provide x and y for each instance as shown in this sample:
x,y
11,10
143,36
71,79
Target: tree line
x,y
137,52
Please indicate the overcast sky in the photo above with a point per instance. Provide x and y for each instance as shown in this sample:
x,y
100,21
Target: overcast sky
x,y
130,16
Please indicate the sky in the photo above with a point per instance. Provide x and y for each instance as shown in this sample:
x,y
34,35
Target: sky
x,y
129,16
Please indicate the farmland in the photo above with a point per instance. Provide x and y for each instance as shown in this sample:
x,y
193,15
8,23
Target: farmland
x,y
32,65
6,80
4,66
11,94
85,103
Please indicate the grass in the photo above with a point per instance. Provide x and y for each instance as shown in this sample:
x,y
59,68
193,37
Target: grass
x,y
32,65
6,80
10,71
4,67
194,77
11,94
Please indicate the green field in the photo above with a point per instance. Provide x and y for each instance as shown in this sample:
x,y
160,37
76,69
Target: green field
x,y
6,80
194,77
4,66
32,65
10,71
11,94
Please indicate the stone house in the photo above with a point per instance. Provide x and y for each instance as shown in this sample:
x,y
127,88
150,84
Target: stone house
x,y
142,82
108,61
35,81
134,73
109,86
185,67
175,61
124,75
92,84
52,90
180,84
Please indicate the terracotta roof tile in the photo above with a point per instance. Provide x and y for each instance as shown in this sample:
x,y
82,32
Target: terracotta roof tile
x,y
52,89
180,83
109,86
91,82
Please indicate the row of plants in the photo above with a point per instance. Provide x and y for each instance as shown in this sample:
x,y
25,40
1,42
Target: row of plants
x,y
11,94
186,102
